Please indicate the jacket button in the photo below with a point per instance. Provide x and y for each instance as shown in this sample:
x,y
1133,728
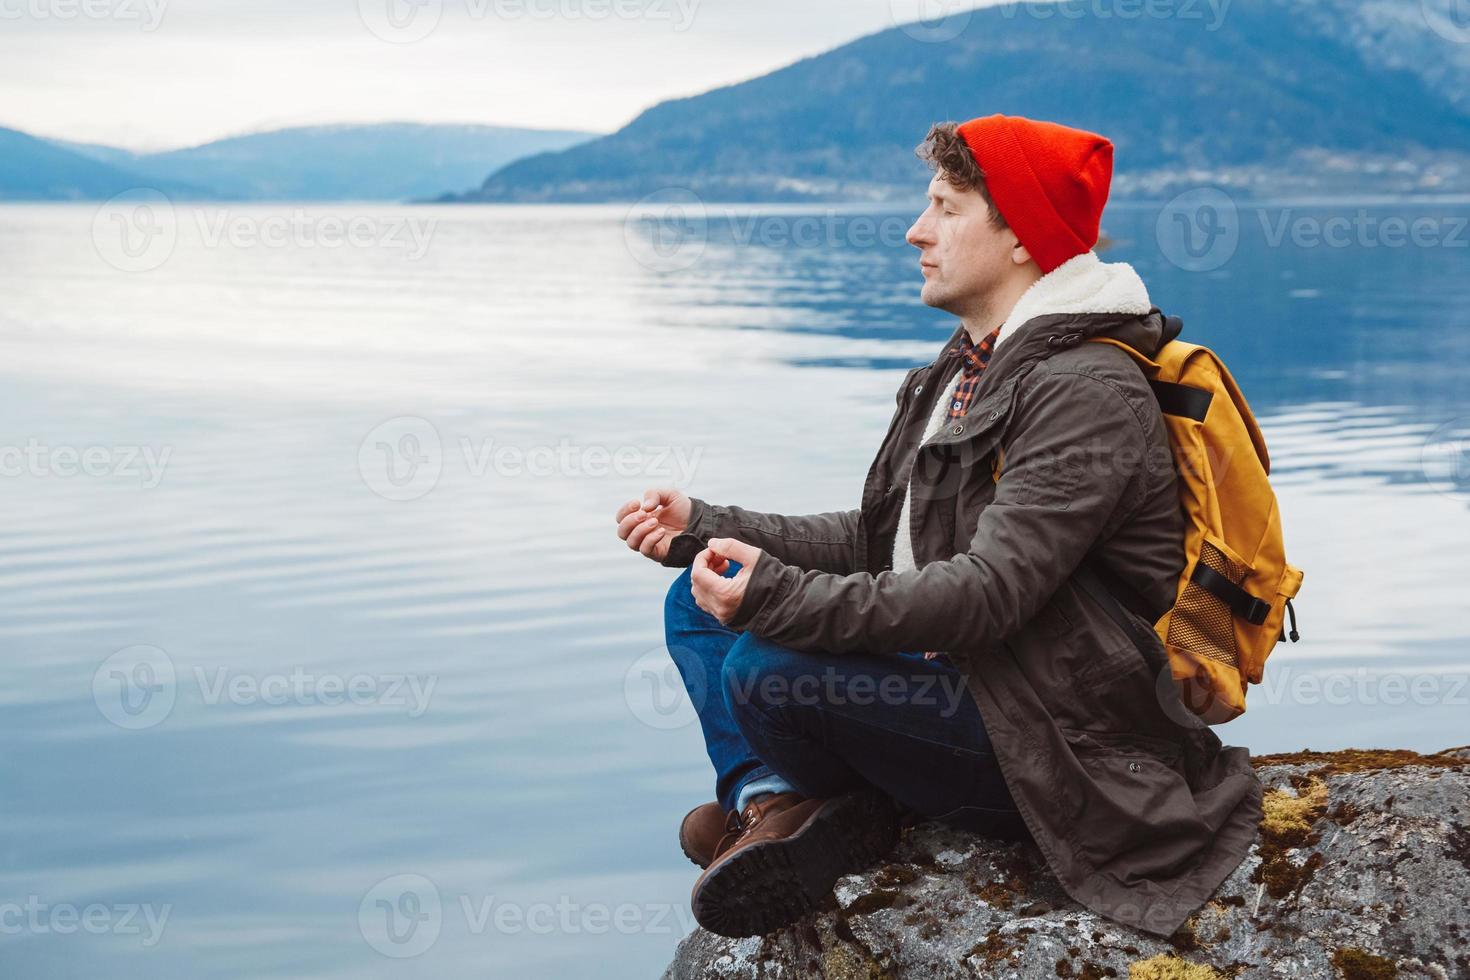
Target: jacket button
x,y
994,416
918,389
1134,767
957,429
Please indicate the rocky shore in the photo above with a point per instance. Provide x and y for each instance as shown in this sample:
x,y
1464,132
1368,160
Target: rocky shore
x,y
1361,872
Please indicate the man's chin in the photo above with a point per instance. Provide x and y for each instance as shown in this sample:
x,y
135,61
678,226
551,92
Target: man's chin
x,y
931,295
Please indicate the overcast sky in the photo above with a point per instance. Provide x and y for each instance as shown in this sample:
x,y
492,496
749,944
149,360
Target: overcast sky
x,y
155,74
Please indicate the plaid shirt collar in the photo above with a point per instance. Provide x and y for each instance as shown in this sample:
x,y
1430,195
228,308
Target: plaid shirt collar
x,y
973,360
975,356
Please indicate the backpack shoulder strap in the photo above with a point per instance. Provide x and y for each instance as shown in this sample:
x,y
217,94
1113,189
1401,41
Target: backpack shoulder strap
x,y
1174,398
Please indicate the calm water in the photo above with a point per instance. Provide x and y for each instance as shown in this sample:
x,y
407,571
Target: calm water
x,y
321,649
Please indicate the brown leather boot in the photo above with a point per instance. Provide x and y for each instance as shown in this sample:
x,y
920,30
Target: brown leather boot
x,y
788,854
703,829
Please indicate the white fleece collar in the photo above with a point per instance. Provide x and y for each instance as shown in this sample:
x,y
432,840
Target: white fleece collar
x,y
1082,284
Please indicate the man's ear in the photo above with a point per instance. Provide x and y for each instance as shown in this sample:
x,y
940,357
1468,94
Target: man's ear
x,y
1019,255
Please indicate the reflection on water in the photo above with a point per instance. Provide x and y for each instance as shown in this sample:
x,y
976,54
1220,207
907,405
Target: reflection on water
x,y
322,650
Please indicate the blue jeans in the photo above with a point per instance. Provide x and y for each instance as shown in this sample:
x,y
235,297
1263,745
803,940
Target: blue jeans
x,y
826,725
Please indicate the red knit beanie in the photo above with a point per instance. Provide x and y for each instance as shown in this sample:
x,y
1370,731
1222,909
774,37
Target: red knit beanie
x,y
1049,182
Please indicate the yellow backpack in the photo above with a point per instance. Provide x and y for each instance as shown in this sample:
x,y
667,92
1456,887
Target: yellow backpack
x,y
1237,585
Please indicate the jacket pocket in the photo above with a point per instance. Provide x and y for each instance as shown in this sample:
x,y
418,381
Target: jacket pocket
x,y
1135,817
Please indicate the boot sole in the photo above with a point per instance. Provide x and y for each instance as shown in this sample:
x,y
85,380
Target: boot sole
x,y
766,886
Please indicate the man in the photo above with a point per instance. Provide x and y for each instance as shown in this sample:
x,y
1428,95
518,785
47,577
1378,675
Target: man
x,y
1021,451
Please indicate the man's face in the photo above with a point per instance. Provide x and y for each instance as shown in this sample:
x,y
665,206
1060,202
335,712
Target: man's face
x,y
964,257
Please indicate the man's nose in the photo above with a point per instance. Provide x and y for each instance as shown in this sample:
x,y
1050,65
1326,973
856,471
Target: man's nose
x,y
915,236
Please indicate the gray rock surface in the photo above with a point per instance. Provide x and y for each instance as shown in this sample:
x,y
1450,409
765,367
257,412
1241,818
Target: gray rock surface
x,y
1361,871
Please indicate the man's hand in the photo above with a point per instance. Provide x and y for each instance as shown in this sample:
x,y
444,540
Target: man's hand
x,y
650,524
713,592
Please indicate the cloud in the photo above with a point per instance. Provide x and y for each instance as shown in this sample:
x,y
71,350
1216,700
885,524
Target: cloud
x,y
207,68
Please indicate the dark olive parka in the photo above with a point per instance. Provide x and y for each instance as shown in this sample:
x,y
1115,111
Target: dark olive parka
x,y
1138,808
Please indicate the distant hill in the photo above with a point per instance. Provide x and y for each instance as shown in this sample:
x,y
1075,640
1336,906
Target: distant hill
x,y
381,162
385,162
34,169
1270,90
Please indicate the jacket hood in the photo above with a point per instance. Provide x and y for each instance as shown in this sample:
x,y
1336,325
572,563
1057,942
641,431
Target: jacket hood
x,y
1084,284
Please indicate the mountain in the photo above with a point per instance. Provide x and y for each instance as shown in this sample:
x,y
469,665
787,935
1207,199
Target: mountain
x,y
383,162
1267,90
34,169
114,155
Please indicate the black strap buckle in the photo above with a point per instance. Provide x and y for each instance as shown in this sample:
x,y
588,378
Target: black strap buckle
x,y
1241,602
